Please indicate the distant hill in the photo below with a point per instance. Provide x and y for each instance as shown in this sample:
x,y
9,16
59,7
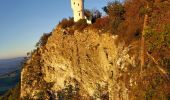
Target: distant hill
x,y
9,73
9,80
9,65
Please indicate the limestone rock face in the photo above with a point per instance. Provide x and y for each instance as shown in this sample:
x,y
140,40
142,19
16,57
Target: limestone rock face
x,y
82,66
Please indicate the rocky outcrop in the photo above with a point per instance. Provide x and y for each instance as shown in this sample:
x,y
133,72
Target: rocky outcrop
x,y
87,64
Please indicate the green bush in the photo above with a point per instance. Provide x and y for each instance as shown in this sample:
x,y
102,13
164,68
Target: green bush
x,y
157,40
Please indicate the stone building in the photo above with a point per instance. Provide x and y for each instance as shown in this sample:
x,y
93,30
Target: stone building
x,y
78,9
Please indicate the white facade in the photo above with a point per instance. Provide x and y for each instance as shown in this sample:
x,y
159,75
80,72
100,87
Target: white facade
x,y
78,9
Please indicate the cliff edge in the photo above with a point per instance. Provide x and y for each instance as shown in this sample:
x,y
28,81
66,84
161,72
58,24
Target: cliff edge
x,y
86,63
77,61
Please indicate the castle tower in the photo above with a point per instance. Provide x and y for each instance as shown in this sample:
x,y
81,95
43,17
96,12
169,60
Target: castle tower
x,y
78,9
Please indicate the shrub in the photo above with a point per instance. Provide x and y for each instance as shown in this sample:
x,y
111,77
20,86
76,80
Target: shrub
x,y
115,10
43,39
144,10
80,25
101,23
158,40
67,22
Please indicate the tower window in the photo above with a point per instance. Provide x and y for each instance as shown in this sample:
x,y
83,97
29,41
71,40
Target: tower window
x,y
78,4
79,14
74,3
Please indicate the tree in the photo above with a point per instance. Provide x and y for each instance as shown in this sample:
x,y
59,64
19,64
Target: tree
x,y
145,24
65,23
96,13
92,14
114,9
87,13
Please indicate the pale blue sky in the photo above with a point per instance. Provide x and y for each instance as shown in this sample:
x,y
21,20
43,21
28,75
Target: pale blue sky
x,y
22,22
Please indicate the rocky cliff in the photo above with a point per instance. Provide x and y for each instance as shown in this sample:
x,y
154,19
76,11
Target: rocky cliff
x,y
101,61
85,63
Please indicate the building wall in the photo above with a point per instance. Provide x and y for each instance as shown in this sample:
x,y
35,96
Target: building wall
x,y
78,9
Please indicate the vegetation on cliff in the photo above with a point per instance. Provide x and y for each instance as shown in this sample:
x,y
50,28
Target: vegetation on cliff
x,y
80,61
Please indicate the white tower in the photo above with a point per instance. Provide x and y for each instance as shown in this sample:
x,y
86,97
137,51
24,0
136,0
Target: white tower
x,y
78,9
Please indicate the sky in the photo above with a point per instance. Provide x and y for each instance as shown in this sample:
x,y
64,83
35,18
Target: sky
x,y
22,22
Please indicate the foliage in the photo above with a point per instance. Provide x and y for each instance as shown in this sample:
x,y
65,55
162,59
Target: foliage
x,y
151,88
166,62
158,40
80,25
114,8
93,14
144,10
88,13
126,20
43,39
115,11
66,22
101,23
